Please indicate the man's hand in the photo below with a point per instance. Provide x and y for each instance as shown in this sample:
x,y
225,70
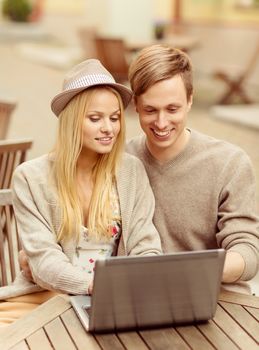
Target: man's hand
x,y
233,268
24,265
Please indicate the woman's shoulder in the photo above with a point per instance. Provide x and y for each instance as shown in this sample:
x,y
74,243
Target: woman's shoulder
x,y
131,168
35,169
35,176
129,161
36,164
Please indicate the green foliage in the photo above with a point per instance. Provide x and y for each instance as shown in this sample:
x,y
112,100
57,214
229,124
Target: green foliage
x,y
17,10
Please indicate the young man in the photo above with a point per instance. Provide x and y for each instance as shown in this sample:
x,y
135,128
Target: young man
x,y
204,187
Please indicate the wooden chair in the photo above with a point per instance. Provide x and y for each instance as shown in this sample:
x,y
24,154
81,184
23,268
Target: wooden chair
x,y
12,153
112,53
236,84
6,109
9,240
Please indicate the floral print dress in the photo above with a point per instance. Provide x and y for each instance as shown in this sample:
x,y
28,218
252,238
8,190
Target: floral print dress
x,y
89,250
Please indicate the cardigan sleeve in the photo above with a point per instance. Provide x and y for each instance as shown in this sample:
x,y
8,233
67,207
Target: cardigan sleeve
x,y
137,203
50,266
238,222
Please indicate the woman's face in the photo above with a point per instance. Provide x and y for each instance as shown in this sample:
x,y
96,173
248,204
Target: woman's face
x,y
101,125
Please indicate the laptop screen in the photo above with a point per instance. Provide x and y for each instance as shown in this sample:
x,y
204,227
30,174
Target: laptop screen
x,y
148,291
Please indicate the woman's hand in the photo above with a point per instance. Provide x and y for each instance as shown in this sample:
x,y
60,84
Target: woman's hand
x,y
26,271
90,288
24,265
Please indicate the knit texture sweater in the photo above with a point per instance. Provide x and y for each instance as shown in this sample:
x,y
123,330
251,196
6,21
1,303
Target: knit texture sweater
x,y
38,217
205,198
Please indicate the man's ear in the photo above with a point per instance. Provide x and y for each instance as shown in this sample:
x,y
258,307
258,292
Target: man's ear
x,y
135,103
190,103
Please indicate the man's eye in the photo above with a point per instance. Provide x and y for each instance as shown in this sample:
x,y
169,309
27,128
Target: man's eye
x,y
149,111
172,110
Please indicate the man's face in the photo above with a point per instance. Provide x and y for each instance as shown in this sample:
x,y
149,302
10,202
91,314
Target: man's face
x,y
163,112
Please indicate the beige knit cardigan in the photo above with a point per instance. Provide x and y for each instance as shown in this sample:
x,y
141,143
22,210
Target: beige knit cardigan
x,y
38,217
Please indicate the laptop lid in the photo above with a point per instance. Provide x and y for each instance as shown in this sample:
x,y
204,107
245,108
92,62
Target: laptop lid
x,y
151,291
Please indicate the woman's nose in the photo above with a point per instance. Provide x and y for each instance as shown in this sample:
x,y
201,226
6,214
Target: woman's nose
x,y
106,127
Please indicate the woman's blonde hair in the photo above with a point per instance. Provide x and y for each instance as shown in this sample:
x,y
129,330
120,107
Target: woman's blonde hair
x,y
67,150
160,62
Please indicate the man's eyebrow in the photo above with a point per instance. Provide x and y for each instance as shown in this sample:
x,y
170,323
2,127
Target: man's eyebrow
x,y
175,104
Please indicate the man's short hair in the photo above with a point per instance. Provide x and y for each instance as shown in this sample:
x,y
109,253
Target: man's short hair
x,y
159,62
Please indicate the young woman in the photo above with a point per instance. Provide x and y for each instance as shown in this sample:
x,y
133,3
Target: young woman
x,y
86,199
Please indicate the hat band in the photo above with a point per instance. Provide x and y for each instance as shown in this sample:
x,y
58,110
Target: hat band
x,y
88,81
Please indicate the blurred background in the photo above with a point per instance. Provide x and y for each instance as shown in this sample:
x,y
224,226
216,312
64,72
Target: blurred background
x,y
41,39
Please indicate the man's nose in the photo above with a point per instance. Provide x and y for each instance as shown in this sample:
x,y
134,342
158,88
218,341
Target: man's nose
x,y
161,121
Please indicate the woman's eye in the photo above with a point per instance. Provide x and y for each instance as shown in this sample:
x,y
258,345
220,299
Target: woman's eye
x,y
114,118
94,119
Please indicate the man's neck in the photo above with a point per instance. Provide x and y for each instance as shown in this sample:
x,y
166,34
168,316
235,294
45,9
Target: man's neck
x,y
163,155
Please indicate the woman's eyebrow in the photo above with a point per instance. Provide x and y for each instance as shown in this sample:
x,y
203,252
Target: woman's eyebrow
x,y
101,113
115,112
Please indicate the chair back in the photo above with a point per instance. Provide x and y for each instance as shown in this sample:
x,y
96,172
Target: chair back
x,y
6,109
252,61
12,153
9,240
112,53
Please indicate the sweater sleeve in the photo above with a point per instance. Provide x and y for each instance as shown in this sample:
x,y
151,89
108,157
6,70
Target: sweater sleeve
x,y
51,267
139,233
238,223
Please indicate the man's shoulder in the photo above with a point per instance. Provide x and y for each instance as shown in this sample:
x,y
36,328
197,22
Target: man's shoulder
x,y
216,145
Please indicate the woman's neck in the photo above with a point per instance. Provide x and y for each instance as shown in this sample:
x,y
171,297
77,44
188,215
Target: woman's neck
x,y
85,183
86,163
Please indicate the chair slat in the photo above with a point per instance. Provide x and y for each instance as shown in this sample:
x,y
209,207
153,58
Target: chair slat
x,y
10,236
9,169
12,153
6,109
9,240
3,259
6,197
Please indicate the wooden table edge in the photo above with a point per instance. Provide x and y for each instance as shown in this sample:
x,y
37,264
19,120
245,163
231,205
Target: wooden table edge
x,y
239,298
22,328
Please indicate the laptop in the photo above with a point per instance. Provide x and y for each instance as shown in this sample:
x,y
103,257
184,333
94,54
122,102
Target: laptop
x,y
136,292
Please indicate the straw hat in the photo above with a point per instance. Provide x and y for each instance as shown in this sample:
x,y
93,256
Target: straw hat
x,y
84,75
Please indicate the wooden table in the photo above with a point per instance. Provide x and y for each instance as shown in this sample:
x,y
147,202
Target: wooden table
x,y
54,325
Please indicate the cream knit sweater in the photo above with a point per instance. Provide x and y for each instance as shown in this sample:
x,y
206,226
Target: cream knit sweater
x,y
205,198
38,217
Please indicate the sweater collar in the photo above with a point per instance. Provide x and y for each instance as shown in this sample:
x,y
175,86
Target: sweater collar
x,y
186,151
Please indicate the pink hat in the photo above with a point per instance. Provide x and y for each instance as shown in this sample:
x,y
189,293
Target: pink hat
x,y
84,75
